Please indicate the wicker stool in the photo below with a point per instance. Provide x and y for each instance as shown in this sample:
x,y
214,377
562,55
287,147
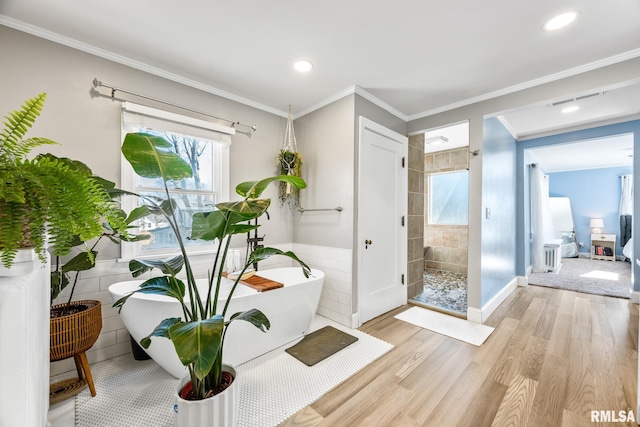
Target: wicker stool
x,y
74,334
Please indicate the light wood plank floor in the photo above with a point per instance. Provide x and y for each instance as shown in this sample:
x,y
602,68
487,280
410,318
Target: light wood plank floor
x,y
554,356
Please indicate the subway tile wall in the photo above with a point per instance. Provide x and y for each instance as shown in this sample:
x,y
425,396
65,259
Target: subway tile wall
x,y
93,284
113,341
335,301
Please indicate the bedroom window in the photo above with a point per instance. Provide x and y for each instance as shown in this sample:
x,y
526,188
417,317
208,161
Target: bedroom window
x,y
205,146
449,198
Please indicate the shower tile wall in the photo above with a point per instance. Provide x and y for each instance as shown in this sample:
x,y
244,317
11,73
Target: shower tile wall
x,y
445,246
415,232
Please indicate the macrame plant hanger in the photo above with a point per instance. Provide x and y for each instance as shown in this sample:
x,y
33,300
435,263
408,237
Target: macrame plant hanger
x,y
288,157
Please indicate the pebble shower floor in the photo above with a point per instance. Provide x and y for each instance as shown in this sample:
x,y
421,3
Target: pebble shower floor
x,y
445,290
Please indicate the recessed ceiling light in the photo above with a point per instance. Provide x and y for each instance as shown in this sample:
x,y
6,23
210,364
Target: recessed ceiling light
x,y
560,21
303,65
570,109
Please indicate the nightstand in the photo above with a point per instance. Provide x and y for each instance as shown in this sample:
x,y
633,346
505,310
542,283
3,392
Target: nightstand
x,y
603,246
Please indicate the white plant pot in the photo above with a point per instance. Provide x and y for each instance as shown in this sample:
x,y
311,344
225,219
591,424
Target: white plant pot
x,y
220,410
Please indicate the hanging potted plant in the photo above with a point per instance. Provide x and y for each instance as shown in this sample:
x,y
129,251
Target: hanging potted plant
x,y
198,336
46,201
289,163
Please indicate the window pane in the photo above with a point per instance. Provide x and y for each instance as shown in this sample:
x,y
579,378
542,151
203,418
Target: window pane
x,y
449,198
158,228
197,152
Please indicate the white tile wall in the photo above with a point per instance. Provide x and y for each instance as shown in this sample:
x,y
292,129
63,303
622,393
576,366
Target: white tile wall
x,y
94,284
335,302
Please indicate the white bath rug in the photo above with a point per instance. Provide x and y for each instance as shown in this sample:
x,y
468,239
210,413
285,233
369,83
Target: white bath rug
x,y
272,387
463,330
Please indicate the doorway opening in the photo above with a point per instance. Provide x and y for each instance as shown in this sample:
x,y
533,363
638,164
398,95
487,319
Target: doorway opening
x,y
589,194
446,229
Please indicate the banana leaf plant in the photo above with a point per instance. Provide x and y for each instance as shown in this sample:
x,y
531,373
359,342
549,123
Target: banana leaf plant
x,y
198,336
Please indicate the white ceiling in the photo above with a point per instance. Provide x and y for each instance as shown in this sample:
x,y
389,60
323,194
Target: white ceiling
x,y
414,57
590,154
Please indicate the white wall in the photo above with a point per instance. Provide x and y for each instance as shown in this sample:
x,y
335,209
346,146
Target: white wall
x,y
325,139
88,128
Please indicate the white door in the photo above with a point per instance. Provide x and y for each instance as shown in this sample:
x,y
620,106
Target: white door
x,y
382,220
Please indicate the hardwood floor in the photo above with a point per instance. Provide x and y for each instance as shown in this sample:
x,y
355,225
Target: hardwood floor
x,y
554,356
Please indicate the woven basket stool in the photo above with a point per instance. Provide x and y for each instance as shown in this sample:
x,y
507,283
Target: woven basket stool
x,y
72,335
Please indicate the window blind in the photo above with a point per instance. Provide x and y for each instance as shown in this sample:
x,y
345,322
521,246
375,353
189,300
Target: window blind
x,y
135,116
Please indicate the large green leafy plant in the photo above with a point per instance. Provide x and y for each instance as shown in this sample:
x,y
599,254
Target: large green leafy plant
x,y
85,257
198,337
46,200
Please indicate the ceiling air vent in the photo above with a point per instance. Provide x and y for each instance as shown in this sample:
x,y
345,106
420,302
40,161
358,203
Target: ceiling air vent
x,y
576,99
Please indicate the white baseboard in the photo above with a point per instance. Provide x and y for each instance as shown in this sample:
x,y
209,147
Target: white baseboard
x,y
522,280
481,315
634,296
355,321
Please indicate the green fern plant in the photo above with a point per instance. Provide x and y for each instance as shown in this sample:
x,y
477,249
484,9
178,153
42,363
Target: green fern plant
x,y
46,200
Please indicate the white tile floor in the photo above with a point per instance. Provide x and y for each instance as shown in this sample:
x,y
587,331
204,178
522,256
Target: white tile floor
x,y
63,414
304,385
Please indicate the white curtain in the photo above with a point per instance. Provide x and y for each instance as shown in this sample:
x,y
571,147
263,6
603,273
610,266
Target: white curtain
x,y
626,198
541,221
626,213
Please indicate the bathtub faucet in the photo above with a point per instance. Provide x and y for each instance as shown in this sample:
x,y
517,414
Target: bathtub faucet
x,y
253,243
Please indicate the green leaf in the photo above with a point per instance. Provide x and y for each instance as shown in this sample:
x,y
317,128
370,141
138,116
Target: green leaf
x,y
246,209
253,316
164,208
253,189
81,262
170,266
152,156
162,330
137,213
264,253
165,285
198,343
214,225
208,225
131,238
59,281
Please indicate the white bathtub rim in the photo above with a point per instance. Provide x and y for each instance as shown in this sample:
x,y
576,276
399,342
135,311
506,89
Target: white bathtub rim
x,y
122,289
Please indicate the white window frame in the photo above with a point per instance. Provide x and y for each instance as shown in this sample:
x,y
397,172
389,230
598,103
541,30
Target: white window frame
x,y
136,116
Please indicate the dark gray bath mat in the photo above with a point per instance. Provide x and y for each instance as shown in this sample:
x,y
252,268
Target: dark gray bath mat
x,y
320,344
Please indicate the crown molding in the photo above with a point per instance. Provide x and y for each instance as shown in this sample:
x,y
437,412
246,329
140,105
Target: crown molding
x,y
506,125
348,91
377,101
329,100
138,65
625,56
93,50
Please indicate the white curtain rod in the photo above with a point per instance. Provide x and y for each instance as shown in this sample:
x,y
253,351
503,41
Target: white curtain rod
x,y
97,83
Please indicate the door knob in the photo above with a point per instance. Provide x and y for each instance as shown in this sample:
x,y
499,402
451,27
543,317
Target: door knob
x,y
367,243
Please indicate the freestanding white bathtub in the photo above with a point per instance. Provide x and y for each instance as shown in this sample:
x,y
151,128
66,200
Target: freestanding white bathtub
x,y
289,309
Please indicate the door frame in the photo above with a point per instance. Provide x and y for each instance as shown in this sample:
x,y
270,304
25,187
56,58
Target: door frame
x,y
366,124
